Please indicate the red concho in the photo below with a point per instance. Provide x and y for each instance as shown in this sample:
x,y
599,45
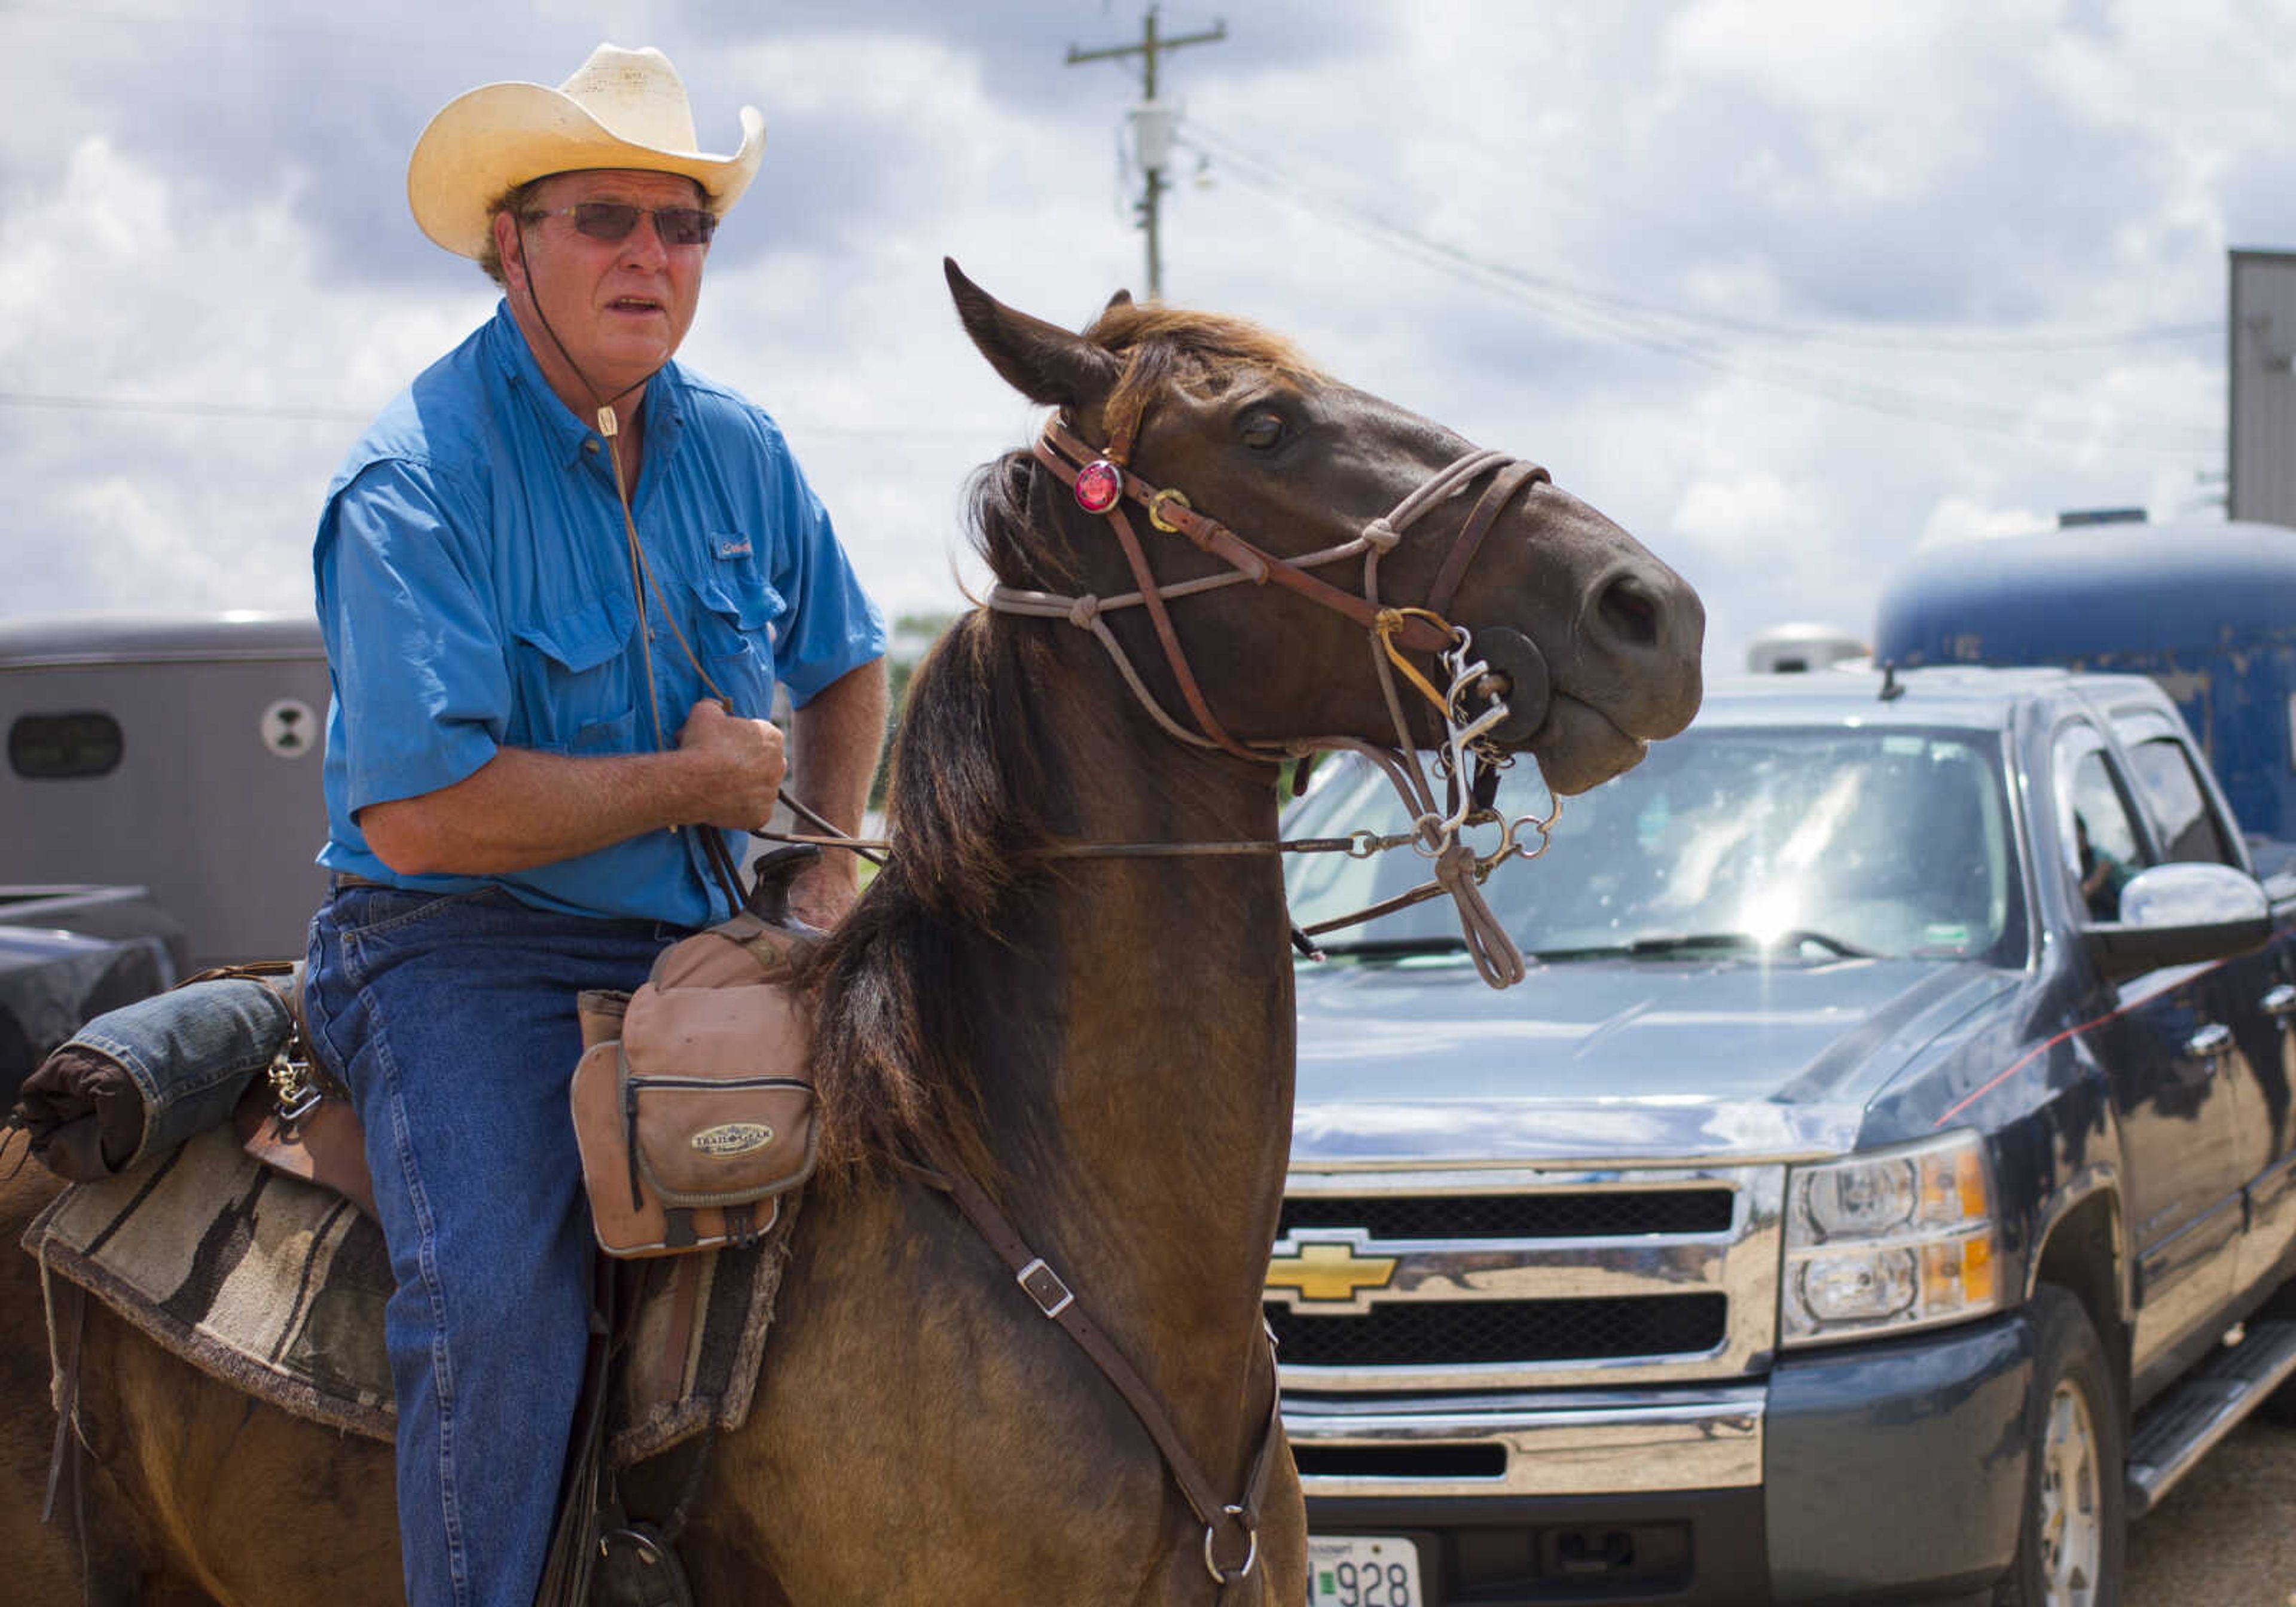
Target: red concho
x,y
1098,486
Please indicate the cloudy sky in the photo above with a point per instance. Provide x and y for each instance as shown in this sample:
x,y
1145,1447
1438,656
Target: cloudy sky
x,y
1787,287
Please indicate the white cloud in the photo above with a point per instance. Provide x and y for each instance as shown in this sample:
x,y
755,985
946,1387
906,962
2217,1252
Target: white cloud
x,y
1751,512
1964,519
1753,165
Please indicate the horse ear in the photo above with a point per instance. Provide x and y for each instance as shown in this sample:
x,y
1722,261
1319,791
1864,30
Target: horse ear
x,y
1121,299
1042,361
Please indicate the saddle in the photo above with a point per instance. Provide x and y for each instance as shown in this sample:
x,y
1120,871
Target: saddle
x,y
249,1246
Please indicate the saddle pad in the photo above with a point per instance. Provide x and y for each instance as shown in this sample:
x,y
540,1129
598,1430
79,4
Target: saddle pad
x,y
277,1288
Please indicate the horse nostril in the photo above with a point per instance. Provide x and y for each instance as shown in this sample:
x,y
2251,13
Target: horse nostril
x,y
1629,612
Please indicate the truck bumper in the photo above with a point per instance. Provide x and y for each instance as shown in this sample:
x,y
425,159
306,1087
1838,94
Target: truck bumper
x,y
1874,1472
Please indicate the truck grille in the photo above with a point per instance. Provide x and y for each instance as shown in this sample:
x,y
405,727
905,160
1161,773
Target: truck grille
x,y
1502,1331
1588,1214
1386,1282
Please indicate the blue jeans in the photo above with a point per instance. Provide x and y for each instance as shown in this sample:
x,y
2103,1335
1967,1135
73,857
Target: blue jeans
x,y
451,1020
191,1053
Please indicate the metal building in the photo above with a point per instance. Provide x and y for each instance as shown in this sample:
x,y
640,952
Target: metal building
x,y
2260,363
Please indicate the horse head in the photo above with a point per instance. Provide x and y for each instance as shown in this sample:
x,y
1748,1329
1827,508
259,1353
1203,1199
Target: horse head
x,y
1226,456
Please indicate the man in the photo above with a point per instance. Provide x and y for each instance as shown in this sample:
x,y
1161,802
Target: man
x,y
553,646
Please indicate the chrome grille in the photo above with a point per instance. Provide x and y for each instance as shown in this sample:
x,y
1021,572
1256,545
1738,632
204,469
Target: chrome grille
x,y
1502,1331
1565,1214
1388,1282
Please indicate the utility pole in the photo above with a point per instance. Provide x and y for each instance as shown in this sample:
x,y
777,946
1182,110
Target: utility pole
x,y
1152,128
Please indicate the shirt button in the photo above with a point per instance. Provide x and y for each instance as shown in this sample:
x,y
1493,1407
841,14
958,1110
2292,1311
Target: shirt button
x,y
591,447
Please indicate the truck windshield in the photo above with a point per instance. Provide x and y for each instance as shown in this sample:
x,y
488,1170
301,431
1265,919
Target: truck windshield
x,y
1826,842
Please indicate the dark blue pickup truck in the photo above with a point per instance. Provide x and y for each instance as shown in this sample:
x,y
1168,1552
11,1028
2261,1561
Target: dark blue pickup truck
x,y
1882,1189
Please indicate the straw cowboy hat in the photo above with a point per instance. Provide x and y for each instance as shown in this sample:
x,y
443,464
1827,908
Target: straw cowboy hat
x,y
621,109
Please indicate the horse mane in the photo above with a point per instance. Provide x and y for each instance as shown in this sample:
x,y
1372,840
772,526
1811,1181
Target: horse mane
x,y
969,795
1167,348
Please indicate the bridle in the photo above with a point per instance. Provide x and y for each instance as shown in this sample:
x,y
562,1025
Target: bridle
x,y
1474,707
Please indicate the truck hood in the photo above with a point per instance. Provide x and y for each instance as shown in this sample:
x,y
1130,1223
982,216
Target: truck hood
x,y
1609,1059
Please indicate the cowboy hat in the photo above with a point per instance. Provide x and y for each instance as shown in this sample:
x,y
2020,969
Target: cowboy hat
x,y
621,109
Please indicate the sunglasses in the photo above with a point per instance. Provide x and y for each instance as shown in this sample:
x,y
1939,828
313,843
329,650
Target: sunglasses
x,y
614,220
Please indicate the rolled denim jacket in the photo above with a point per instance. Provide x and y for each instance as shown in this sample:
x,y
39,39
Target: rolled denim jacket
x,y
191,1053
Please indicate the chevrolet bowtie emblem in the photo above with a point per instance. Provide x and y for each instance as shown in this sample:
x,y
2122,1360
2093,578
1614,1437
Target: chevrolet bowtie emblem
x,y
1330,1267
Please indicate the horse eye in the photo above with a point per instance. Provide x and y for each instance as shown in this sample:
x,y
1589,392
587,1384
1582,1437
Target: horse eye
x,y
1261,429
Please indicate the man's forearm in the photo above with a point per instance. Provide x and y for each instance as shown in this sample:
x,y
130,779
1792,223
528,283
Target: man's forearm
x,y
524,807
834,741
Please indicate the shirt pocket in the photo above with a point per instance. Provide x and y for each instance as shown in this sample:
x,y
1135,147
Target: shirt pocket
x,y
573,684
737,611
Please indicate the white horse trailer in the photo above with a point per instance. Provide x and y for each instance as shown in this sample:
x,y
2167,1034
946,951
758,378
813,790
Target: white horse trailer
x,y
180,754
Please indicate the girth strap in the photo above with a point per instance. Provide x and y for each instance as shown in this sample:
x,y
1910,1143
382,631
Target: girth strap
x,y
1056,1300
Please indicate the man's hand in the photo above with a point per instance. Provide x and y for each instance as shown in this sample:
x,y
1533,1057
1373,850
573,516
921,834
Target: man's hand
x,y
740,766
822,894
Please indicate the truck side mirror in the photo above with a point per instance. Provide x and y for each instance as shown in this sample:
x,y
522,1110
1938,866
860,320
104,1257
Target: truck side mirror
x,y
2182,914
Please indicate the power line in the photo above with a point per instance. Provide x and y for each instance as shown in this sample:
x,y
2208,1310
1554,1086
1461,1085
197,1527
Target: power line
x,y
2043,339
1616,318
348,415
229,410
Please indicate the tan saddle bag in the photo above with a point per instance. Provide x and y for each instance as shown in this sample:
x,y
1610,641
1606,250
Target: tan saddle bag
x,y
693,1104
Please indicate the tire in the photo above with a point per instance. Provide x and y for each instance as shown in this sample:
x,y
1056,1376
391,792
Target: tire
x,y
2072,1543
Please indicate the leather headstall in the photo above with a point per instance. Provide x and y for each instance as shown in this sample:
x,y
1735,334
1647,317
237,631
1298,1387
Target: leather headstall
x,y
1104,483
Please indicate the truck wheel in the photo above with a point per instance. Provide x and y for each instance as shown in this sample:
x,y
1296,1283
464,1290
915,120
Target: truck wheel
x,y
2069,1547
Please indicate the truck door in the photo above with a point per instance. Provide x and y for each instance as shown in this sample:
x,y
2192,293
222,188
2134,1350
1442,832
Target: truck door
x,y
2164,1051
2249,1003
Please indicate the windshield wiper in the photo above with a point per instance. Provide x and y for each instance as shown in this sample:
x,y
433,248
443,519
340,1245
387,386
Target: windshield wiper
x,y
1793,936
1660,945
1656,946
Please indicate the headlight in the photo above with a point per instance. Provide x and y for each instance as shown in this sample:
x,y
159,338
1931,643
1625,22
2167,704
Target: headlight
x,y
1899,1239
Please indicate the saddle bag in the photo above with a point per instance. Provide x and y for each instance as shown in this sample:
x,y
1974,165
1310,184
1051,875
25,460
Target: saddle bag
x,y
693,1104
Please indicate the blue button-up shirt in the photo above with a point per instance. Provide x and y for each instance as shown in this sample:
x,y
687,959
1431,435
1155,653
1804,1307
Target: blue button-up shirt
x,y
475,593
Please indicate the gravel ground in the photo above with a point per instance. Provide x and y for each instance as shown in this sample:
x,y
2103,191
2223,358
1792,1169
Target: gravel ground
x,y
2226,1536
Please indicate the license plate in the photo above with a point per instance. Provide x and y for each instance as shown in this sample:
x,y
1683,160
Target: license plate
x,y
1363,1570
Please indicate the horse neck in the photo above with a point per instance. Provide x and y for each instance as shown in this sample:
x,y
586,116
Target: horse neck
x,y
1144,1135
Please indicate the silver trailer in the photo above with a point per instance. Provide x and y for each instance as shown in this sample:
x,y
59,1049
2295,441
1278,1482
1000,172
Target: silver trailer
x,y
180,754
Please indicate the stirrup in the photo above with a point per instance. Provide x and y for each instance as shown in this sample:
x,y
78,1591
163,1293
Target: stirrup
x,y
636,1568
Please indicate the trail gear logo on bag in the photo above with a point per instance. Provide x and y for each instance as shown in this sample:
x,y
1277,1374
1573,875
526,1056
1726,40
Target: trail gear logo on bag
x,y
733,1138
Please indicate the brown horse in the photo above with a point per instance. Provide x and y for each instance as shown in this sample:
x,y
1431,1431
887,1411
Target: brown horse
x,y
1108,1041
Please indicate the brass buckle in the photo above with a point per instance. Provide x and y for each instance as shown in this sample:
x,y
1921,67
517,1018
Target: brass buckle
x,y
1156,509
295,1092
